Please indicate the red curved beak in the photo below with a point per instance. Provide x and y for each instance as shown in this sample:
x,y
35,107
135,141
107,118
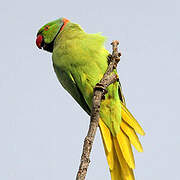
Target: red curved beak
x,y
39,41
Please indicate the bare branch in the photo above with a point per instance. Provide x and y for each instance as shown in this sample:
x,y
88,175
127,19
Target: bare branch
x,y
99,94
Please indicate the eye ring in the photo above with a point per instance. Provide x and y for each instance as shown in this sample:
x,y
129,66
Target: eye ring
x,y
46,28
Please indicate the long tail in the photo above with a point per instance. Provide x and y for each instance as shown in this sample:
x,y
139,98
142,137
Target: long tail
x,y
118,148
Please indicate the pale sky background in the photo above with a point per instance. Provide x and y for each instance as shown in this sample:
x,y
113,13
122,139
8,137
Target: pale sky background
x,y
42,128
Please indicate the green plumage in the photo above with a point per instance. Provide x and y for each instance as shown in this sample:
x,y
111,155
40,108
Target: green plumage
x,y
54,27
80,61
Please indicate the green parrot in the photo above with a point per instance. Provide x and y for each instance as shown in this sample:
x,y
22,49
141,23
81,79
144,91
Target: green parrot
x,y
79,61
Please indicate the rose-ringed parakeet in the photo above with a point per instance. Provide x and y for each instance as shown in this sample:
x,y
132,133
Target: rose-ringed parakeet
x,y
80,60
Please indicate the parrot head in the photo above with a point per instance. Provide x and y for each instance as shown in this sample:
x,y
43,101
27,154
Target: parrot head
x,y
48,33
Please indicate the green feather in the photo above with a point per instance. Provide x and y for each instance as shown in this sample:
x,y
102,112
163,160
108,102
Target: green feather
x,y
84,59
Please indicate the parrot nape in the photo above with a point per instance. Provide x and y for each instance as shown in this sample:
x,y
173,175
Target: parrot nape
x,y
79,61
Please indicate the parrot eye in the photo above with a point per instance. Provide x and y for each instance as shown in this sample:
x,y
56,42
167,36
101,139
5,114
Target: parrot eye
x,y
46,28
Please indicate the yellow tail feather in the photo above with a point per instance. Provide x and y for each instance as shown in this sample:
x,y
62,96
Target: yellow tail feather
x,y
106,135
127,172
111,156
126,149
130,120
108,144
119,169
116,173
129,131
118,150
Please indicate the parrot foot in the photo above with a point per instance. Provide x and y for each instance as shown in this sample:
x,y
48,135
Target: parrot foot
x,y
117,59
100,87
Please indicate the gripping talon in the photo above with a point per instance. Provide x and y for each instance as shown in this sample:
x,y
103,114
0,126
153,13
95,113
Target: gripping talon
x,y
101,88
